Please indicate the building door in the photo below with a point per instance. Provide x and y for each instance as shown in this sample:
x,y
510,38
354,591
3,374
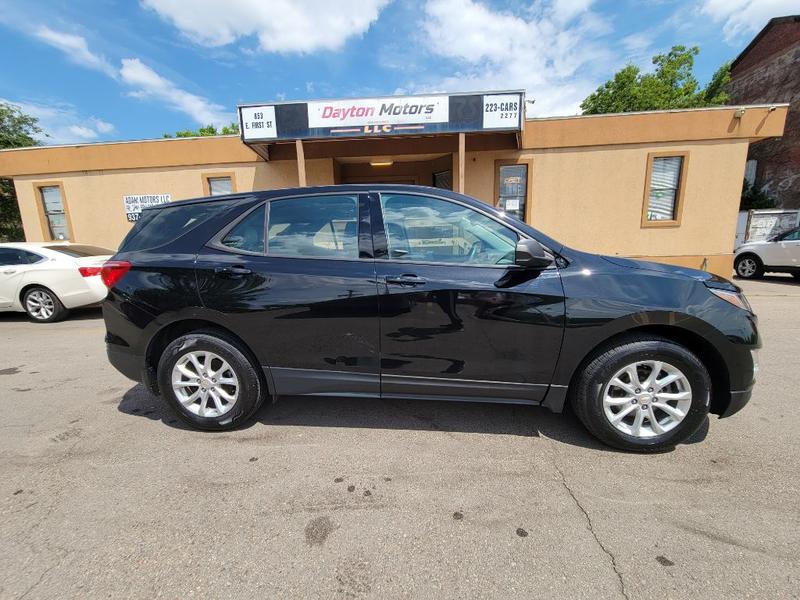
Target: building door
x,y
454,320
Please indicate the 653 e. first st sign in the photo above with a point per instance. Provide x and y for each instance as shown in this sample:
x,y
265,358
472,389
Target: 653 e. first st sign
x,y
393,115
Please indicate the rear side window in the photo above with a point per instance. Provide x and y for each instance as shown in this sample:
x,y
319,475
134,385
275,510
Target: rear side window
x,y
79,251
160,226
248,234
316,226
15,256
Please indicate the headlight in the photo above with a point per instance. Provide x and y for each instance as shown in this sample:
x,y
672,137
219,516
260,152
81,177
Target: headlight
x,y
735,298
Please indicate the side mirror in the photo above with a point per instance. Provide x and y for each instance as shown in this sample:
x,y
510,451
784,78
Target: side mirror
x,y
530,254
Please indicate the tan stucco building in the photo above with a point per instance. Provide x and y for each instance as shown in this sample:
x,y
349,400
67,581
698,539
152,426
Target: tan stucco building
x,y
663,185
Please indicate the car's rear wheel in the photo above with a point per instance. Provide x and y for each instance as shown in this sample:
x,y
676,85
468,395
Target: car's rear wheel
x,y
643,394
748,266
43,306
209,381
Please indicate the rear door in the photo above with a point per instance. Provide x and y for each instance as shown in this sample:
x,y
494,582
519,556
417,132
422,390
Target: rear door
x,y
301,292
457,319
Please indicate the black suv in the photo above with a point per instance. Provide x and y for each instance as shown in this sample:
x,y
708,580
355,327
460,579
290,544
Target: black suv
x,y
401,291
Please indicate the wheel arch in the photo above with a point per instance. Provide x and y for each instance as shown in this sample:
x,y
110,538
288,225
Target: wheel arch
x,y
696,343
164,336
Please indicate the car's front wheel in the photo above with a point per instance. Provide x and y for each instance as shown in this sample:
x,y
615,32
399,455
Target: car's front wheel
x,y
209,381
43,306
643,394
748,266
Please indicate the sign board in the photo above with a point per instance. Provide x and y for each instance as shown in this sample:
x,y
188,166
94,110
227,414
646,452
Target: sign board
x,y
767,223
134,205
391,115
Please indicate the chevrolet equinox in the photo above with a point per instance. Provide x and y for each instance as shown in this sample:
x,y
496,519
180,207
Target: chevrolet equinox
x,y
409,292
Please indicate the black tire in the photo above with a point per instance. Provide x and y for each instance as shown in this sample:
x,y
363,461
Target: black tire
x,y
587,390
39,296
252,388
742,261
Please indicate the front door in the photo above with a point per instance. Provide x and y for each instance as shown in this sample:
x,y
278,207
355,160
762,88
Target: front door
x,y
303,296
786,252
456,319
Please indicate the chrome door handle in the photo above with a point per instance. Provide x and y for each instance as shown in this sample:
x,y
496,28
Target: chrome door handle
x,y
407,280
234,271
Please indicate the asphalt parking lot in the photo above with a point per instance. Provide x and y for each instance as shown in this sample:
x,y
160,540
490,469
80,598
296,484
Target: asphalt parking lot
x,y
103,493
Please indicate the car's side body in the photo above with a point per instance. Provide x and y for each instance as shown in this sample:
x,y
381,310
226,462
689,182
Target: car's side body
x,y
47,265
366,326
780,254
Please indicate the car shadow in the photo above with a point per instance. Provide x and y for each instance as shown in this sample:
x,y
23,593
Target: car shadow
x,y
413,415
76,314
782,279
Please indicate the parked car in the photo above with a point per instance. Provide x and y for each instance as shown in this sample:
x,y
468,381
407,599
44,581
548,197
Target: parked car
x,y
47,279
779,254
399,291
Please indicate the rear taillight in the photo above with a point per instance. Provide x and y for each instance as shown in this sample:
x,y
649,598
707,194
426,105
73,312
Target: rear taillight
x,y
89,271
112,271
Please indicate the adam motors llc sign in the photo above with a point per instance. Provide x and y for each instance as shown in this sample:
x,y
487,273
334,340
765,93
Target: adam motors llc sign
x,y
393,115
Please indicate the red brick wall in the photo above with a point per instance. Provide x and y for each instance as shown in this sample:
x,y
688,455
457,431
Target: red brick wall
x,y
770,72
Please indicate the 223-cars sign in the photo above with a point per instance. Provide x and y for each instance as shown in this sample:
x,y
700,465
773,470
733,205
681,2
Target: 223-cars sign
x,y
134,205
394,115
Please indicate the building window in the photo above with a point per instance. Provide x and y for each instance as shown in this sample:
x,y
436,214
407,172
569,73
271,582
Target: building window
x,y
54,214
666,176
219,186
511,192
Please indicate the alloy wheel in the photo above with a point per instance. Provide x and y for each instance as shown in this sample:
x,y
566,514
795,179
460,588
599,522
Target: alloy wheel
x,y
205,384
40,305
647,398
746,267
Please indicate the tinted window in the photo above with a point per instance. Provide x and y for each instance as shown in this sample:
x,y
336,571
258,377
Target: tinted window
x,y
79,251
791,236
420,228
247,234
325,226
158,226
14,256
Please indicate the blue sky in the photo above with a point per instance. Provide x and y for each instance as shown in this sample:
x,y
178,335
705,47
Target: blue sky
x,y
109,70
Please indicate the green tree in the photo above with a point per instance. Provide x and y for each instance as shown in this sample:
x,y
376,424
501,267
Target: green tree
x,y
208,130
753,198
16,131
671,85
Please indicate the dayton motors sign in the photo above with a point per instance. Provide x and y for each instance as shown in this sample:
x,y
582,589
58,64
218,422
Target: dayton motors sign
x,y
378,111
395,115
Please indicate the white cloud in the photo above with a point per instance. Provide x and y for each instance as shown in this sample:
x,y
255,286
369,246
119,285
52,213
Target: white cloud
x,y
743,18
75,48
146,83
143,80
63,123
280,25
552,52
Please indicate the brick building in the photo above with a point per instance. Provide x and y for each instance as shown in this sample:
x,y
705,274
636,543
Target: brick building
x,y
768,70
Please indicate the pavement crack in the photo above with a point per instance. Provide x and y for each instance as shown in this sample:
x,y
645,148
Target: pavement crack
x,y
590,527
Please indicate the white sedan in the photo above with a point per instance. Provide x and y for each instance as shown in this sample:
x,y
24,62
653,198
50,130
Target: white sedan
x,y
46,279
780,254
